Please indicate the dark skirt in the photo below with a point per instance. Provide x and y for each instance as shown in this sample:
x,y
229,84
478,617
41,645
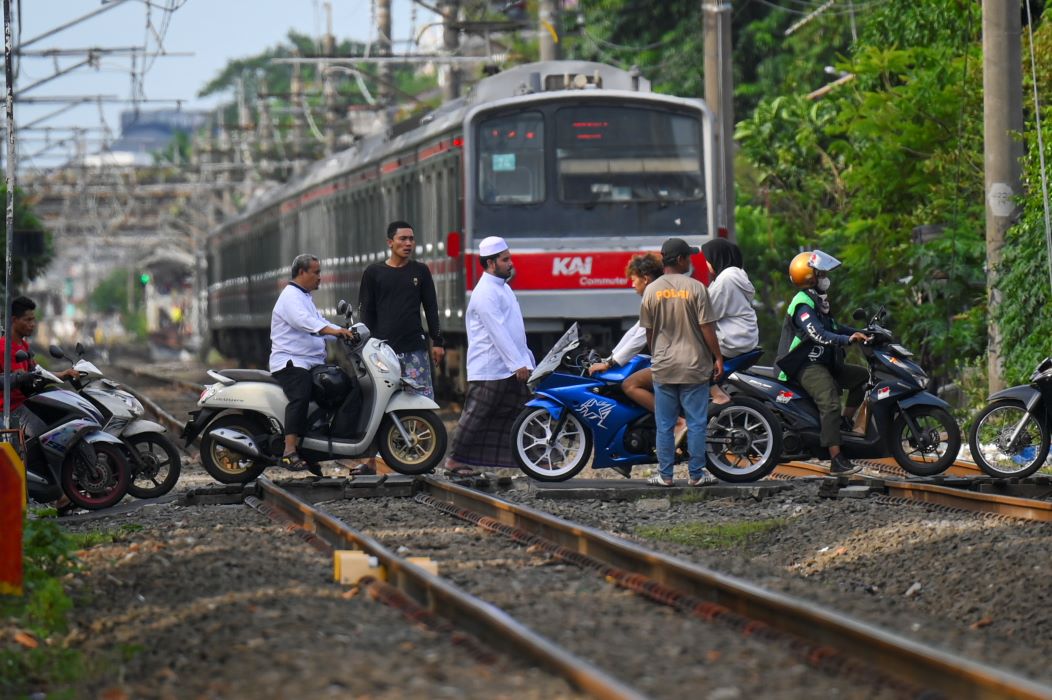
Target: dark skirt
x,y
483,437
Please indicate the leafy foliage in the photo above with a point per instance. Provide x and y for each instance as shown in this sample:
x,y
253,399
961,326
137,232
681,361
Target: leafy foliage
x,y
1025,285
857,172
25,220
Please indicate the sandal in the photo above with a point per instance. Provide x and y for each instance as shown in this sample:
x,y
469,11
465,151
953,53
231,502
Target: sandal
x,y
293,462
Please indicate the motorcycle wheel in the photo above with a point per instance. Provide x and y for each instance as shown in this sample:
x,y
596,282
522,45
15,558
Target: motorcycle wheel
x,y
990,435
543,459
100,483
427,444
938,446
160,468
744,440
223,464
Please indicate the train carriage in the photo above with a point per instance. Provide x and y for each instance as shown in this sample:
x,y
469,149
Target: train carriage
x,y
577,164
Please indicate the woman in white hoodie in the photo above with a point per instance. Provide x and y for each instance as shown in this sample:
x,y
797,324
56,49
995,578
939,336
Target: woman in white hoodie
x,y
731,295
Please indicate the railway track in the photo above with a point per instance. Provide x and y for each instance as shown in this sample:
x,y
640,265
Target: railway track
x,y
820,638
973,492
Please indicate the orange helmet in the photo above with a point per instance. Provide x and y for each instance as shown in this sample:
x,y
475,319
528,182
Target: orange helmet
x,y
803,266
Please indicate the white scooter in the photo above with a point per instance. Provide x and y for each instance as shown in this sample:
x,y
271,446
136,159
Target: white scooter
x,y
155,461
240,419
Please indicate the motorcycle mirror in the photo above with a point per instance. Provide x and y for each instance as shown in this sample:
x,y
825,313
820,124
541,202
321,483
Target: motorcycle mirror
x,y
80,349
341,308
55,351
859,314
21,356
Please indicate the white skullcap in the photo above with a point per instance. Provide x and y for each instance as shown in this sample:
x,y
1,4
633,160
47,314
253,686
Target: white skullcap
x,y
492,246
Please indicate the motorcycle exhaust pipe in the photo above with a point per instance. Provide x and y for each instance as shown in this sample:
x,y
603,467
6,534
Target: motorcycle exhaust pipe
x,y
238,442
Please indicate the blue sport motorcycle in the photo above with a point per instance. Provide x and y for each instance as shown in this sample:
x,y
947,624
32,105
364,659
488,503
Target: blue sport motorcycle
x,y
574,417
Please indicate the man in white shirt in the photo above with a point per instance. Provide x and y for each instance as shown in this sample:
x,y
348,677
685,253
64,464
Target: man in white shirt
x,y
499,364
297,344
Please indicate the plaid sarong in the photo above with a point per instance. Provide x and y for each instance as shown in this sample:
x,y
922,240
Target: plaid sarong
x,y
483,437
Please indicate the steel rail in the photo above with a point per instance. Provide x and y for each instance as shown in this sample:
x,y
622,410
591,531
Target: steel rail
x,y
796,468
1010,506
953,676
485,621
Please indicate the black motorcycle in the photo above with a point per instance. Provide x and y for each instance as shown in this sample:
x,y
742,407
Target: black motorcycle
x,y
897,418
73,456
1010,436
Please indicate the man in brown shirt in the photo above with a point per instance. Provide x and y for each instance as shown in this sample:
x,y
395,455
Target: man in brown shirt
x,y
685,357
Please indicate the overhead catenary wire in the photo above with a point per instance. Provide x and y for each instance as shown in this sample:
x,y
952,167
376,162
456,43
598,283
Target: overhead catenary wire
x,y
1040,146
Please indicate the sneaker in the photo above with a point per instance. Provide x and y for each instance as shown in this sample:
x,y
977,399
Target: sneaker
x,y
658,480
703,480
842,466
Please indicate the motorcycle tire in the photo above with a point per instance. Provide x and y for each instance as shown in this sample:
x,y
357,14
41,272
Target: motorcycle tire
x,y
902,438
161,465
426,449
100,484
992,429
221,463
744,440
534,452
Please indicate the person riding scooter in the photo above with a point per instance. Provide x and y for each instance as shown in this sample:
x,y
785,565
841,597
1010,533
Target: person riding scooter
x,y
811,352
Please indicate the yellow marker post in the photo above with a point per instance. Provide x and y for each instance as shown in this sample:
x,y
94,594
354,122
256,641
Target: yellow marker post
x,y
12,512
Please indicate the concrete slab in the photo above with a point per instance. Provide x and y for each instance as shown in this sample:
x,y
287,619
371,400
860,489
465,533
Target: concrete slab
x,y
630,489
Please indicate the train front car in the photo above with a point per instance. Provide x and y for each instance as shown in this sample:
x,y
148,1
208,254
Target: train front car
x,y
582,172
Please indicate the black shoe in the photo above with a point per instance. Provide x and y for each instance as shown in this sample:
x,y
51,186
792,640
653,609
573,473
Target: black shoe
x,y
842,466
623,470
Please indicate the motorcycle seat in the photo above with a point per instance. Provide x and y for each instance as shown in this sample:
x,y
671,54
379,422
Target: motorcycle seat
x,y
763,371
248,375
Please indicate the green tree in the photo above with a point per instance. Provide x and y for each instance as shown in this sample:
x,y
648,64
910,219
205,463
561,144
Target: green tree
x,y
857,172
25,220
1025,284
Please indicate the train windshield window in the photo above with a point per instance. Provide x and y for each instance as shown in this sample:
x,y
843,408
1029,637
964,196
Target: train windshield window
x,y
511,159
627,154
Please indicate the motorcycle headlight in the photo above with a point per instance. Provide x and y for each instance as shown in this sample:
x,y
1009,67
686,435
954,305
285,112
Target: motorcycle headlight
x,y
132,403
379,362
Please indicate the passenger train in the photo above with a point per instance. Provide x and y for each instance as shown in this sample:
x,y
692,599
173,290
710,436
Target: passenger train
x,y
578,165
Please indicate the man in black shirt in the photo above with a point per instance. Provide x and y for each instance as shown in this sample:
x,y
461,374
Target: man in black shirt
x,y
389,300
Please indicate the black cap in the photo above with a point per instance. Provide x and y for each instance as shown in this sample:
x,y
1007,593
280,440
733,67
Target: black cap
x,y
673,248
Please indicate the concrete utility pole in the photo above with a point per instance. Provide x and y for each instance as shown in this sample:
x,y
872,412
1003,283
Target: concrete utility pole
x,y
719,96
1003,150
548,20
450,42
383,46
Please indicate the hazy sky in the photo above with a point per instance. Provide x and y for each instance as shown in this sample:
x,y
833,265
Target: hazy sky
x,y
215,31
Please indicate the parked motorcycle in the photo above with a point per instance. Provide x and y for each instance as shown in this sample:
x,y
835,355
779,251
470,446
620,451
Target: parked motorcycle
x,y
352,412
574,417
74,456
1010,437
898,416
155,460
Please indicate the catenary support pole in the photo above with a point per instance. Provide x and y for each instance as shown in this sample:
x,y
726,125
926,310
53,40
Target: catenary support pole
x,y
719,96
1003,150
9,231
383,45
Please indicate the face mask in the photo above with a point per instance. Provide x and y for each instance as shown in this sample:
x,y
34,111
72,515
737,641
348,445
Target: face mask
x,y
823,284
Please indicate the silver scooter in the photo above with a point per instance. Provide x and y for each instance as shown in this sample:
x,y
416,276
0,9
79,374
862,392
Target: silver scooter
x,y
354,411
155,461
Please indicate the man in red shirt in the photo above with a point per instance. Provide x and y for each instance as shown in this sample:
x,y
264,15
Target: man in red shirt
x,y
23,323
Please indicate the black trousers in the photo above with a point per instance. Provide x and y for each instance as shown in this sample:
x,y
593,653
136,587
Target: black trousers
x,y
296,382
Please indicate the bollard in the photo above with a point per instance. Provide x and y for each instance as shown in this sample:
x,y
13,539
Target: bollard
x,y
12,512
